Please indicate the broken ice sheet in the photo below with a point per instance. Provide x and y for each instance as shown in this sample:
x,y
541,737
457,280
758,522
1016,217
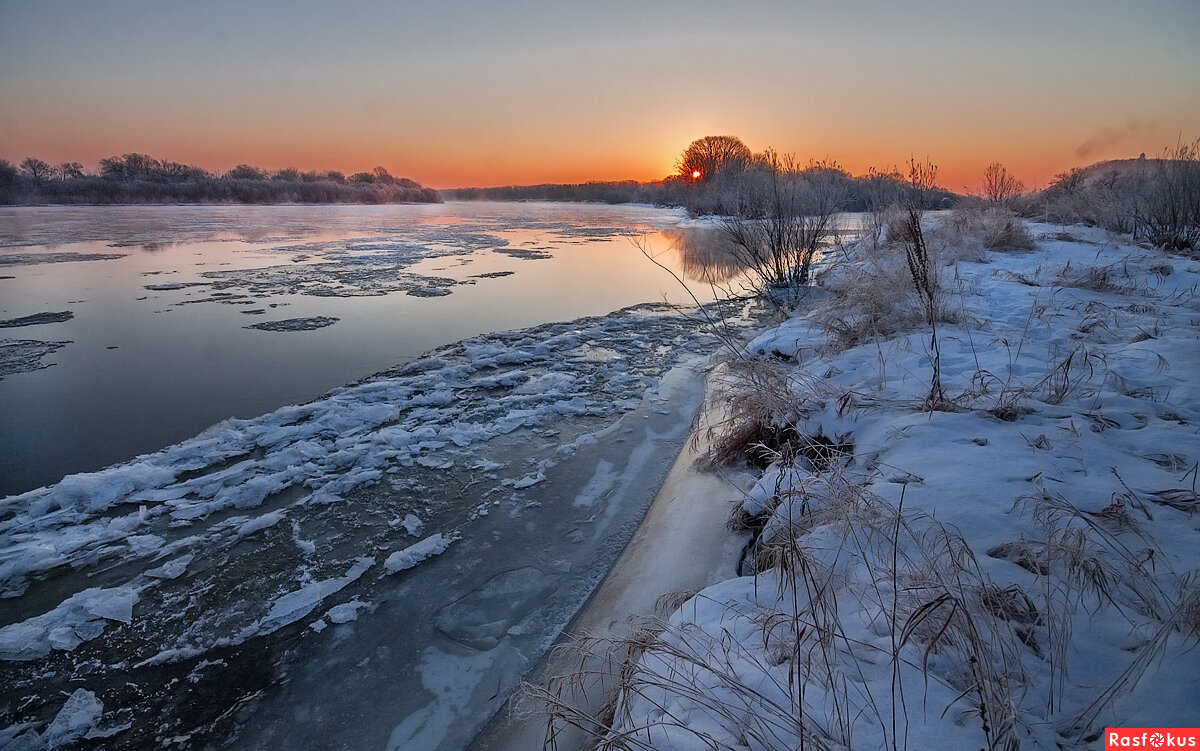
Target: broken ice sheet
x,y
25,355
310,323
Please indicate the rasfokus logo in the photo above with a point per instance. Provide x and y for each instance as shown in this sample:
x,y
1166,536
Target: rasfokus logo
x,y
1151,738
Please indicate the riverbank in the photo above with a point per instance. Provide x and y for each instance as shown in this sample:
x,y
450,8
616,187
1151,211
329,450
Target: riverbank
x,y
1014,567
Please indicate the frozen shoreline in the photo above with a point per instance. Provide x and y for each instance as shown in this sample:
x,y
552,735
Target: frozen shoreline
x,y
680,547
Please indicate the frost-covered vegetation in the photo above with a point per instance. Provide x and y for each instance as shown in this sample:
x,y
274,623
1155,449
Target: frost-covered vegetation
x,y
138,178
1155,200
1006,560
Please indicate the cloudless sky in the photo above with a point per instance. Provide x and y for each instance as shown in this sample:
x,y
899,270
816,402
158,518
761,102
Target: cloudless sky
x,y
522,91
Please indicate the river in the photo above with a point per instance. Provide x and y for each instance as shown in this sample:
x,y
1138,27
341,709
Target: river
x,y
212,541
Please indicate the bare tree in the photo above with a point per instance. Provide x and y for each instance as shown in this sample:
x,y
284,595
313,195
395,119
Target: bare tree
x,y
999,186
246,172
68,171
36,168
706,158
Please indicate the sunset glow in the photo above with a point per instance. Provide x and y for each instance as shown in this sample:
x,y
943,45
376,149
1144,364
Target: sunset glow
x,y
477,94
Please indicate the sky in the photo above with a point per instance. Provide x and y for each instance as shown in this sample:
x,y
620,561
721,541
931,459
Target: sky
x,y
456,94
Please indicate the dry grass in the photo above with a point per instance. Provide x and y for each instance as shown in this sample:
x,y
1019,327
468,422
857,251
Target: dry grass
x,y
761,405
1114,277
986,228
836,552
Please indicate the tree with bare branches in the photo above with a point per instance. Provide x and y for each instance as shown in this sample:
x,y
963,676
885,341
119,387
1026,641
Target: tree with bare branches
x,y
36,168
999,186
706,158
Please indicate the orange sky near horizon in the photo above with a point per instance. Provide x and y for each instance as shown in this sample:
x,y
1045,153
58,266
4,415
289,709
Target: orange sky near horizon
x,y
470,94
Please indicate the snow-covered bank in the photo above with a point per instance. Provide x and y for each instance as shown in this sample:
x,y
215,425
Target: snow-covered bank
x,y
1017,568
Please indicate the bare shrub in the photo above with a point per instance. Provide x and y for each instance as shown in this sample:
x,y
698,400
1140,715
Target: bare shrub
x,y
1169,205
787,215
1114,277
880,191
870,300
921,266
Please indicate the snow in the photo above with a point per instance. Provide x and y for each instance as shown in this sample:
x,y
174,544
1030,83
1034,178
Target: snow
x,y
427,548
1073,424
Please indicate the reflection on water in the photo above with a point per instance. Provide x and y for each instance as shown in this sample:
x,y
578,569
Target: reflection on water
x,y
705,255
708,256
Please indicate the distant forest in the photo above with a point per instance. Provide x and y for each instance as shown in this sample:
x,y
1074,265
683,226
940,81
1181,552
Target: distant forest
x,y
699,197
138,178
142,179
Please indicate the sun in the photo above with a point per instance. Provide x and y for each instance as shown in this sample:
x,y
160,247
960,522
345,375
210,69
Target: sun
x,y
695,174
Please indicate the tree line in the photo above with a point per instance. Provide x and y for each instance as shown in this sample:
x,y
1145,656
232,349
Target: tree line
x,y
717,175
139,178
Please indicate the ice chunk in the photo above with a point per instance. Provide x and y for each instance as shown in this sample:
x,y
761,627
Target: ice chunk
x,y
295,324
78,619
37,319
526,482
113,604
172,569
74,720
145,543
346,612
414,554
293,606
547,383
260,523
412,524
